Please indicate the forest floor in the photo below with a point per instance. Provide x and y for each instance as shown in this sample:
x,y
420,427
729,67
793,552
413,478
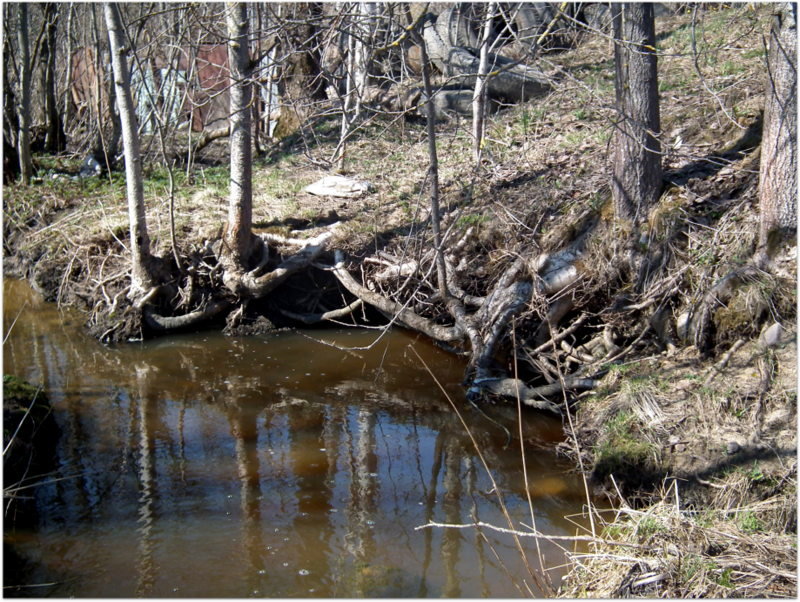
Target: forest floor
x,y
695,450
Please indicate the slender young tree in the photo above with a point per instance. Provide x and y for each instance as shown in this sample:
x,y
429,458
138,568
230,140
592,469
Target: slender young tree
x,y
24,139
777,186
142,278
479,94
636,179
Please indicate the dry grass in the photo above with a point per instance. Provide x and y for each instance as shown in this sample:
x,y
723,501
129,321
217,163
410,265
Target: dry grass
x,y
670,551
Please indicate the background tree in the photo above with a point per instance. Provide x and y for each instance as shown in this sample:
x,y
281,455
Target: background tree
x,y
25,162
11,163
55,139
777,186
636,176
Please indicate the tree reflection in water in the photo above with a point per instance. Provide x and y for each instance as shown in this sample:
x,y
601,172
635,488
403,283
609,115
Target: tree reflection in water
x,y
266,466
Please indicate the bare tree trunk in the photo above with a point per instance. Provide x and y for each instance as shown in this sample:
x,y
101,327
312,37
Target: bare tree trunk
x,y
55,139
141,260
236,241
433,174
10,115
777,186
636,179
365,20
104,150
25,162
68,77
479,96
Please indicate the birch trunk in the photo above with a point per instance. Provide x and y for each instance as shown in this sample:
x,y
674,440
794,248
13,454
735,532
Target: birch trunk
x,y
141,260
236,240
24,139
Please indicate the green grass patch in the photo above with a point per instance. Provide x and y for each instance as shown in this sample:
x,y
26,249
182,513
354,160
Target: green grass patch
x,y
748,522
622,448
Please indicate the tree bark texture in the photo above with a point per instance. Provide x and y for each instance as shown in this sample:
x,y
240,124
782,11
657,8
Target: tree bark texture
x,y
24,139
141,279
778,172
636,177
55,139
10,115
240,204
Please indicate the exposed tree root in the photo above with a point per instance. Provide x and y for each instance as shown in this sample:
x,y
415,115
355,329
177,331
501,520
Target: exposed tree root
x,y
191,319
400,313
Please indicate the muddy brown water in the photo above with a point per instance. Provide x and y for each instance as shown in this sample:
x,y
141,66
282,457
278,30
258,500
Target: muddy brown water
x,y
208,466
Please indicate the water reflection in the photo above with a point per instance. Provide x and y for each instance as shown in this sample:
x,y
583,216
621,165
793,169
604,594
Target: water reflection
x,y
208,466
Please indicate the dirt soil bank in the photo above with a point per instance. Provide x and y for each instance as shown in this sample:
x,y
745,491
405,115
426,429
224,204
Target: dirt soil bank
x,y
693,443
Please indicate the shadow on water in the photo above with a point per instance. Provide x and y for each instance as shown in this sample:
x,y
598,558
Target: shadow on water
x,y
205,465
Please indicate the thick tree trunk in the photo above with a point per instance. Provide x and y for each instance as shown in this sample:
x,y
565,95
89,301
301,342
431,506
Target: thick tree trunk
x,y
141,260
636,179
778,174
24,139
237,238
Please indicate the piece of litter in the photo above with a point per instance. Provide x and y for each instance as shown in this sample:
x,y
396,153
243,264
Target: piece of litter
x,y
339,186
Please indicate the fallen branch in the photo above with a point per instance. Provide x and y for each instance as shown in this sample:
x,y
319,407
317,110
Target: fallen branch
x,y
518,533
328,315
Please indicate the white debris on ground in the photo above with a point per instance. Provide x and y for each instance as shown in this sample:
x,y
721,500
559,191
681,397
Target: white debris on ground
x,y
339,186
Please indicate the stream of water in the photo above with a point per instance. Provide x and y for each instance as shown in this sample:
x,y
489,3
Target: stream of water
x,y
279,466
